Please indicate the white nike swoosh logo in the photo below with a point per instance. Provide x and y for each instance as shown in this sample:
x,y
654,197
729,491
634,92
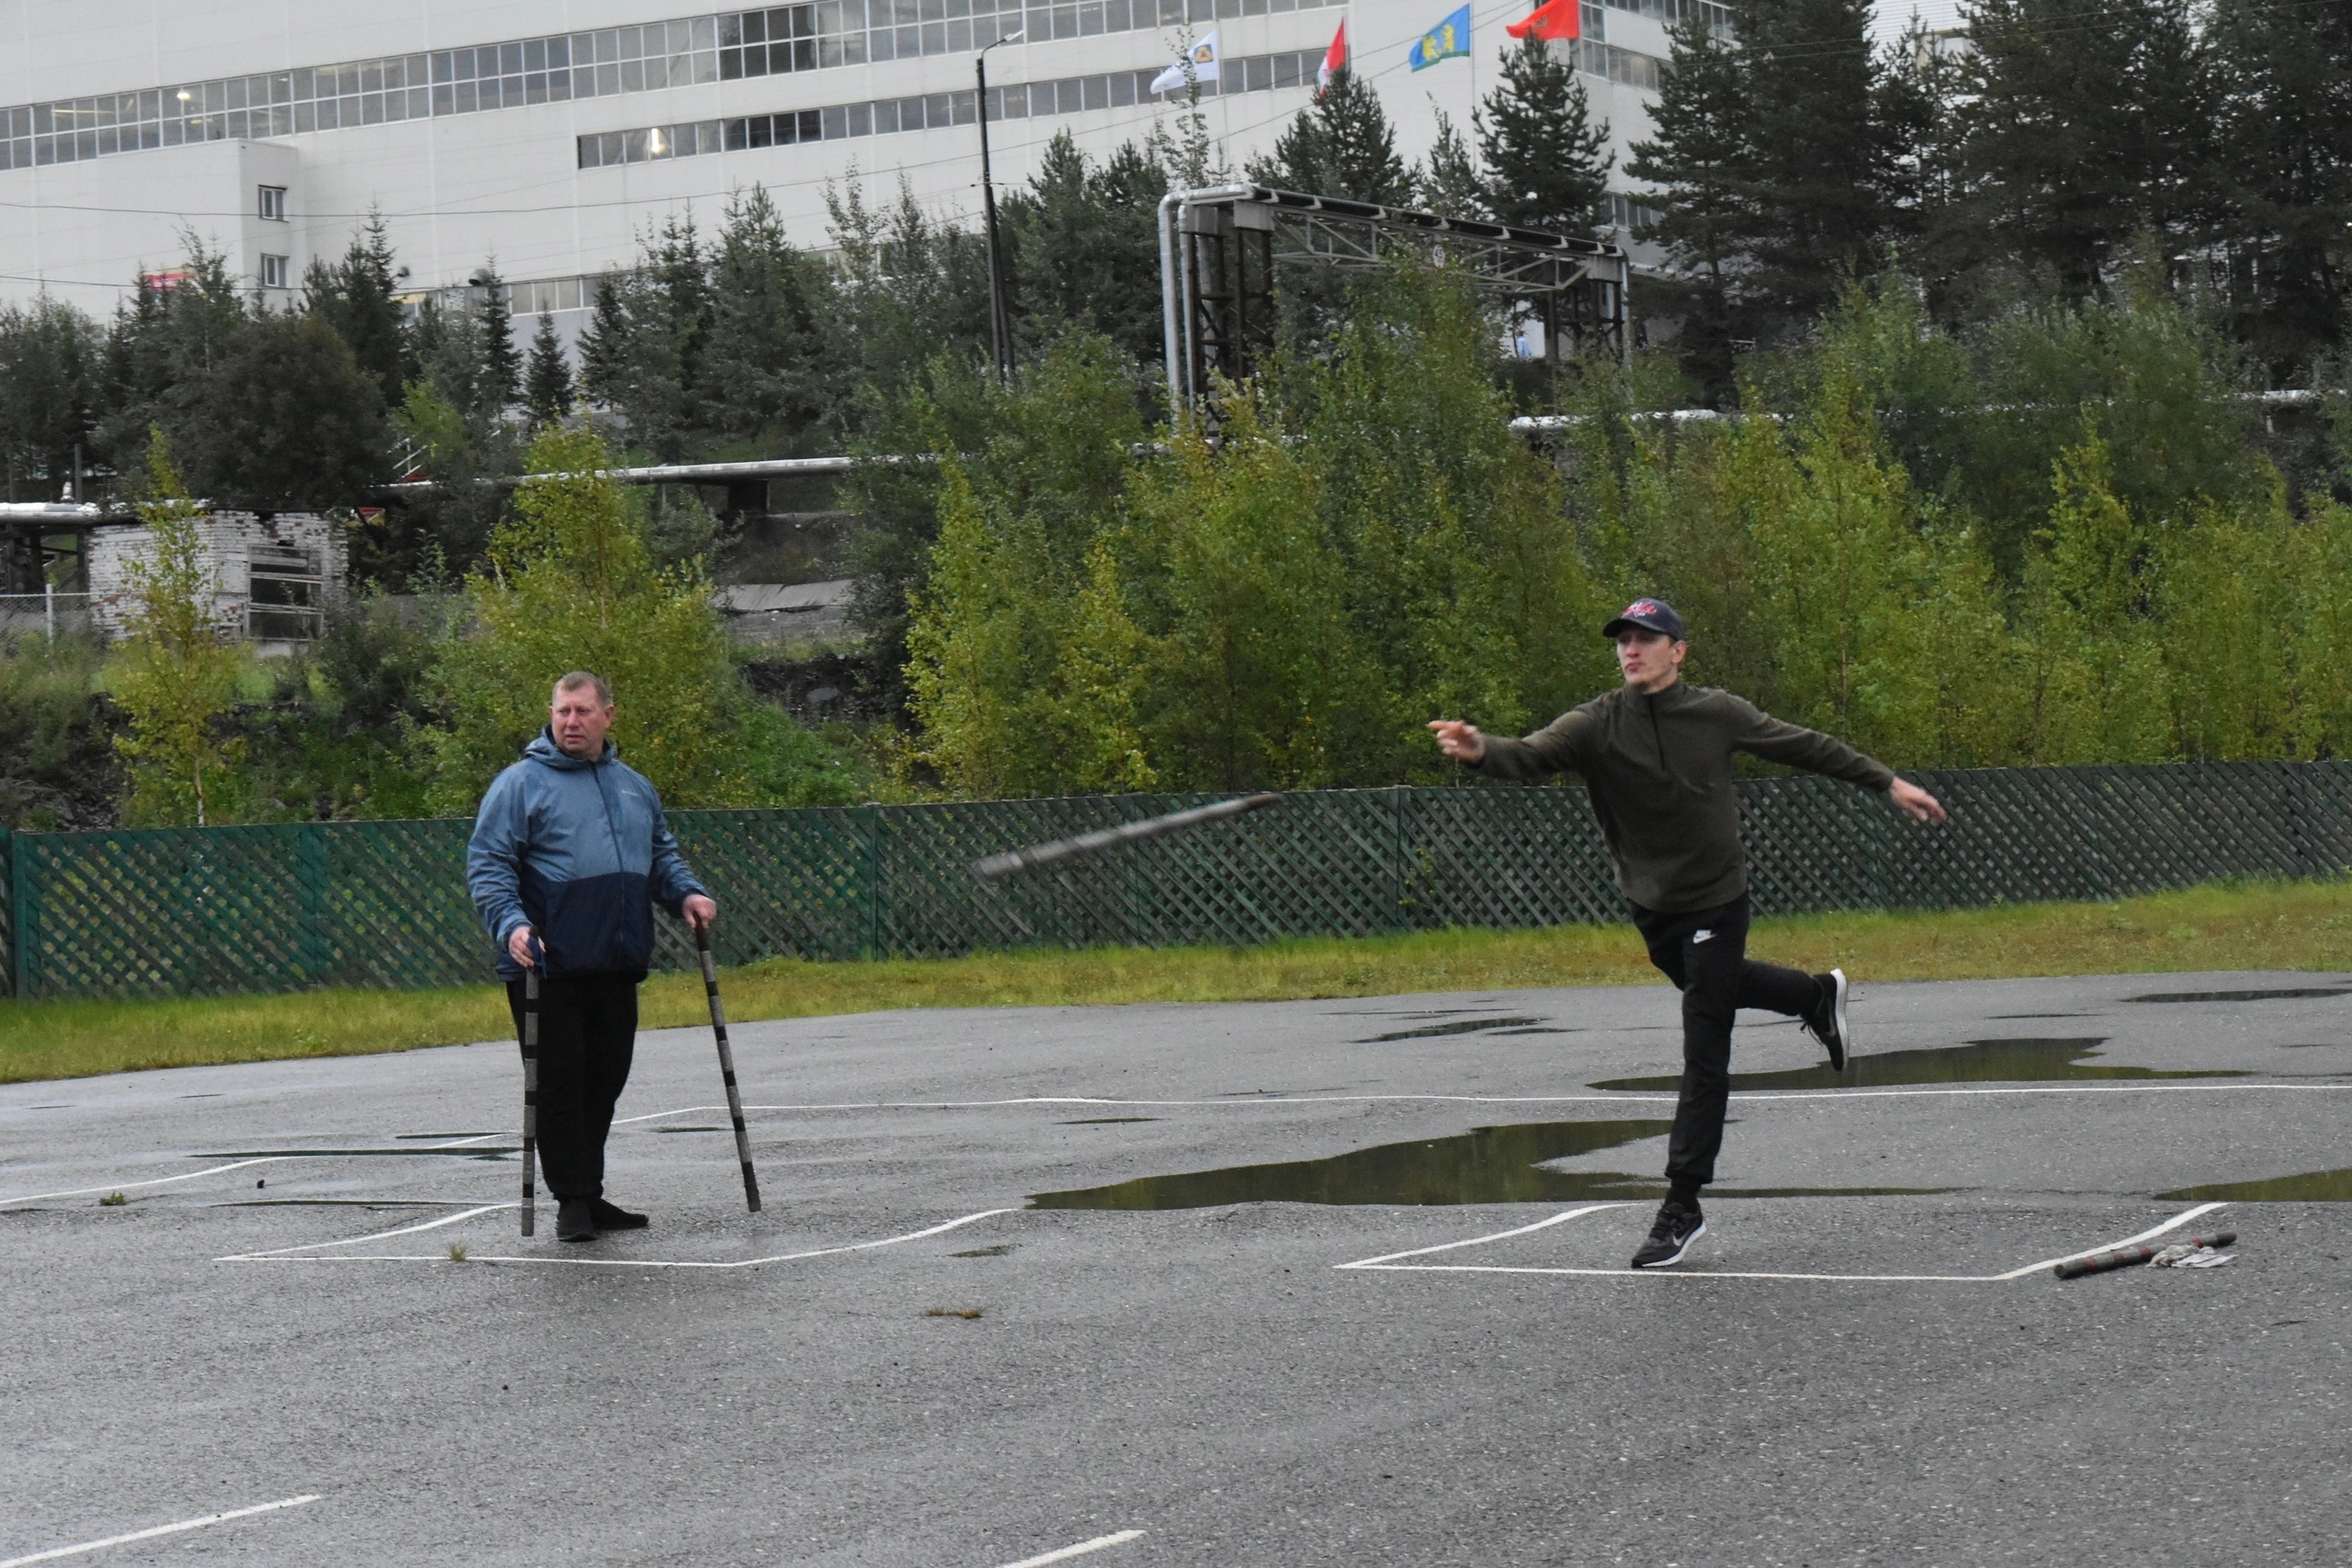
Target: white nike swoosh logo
x,y
1698,937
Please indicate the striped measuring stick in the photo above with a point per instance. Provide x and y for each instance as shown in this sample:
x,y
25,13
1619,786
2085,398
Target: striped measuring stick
x,y
531,1086
727,1069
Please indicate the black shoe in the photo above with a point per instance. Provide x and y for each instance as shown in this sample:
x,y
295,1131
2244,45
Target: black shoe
x,y
613,1217
575,1220
1826,1021
1678,1224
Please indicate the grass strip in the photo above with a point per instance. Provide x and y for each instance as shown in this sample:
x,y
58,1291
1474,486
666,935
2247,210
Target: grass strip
x,y
2299,925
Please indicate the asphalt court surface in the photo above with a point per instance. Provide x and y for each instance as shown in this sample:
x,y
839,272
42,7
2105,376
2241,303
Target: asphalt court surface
x,y
1840,1374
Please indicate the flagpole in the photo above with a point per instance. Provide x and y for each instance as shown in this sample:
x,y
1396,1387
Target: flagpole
x,y
999,320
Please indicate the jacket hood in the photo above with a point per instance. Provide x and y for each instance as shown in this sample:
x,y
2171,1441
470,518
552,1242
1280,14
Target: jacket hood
x,y
544,750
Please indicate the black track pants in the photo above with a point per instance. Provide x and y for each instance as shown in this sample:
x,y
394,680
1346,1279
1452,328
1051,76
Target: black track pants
x,y
587,1036
1705,955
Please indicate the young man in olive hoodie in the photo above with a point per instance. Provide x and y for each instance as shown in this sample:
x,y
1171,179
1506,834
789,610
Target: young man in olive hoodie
x,y
1655,756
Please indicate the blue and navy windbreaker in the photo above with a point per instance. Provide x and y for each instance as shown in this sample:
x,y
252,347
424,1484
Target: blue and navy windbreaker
x,y
576,851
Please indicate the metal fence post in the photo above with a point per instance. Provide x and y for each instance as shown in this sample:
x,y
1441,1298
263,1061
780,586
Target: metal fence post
x,y
870,879
8,869
310,874
21,921
1400,828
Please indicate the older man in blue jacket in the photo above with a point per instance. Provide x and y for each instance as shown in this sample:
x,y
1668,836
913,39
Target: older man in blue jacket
x,y
568,853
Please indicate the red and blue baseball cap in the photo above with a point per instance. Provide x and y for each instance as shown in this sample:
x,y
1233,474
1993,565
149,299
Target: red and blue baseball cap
x,y
1650,614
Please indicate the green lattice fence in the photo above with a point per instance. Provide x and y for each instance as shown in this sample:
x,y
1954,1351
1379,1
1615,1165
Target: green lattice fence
x,y
199,911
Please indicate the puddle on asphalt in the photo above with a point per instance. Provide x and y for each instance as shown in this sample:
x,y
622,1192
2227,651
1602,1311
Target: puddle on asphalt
x,y
690,1129
2278,996
2311,1186
1460,1026
1107,1121
1486,1164
1979,1061
216,1095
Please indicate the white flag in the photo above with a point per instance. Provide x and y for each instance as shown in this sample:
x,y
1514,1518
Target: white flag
x,y
1203,57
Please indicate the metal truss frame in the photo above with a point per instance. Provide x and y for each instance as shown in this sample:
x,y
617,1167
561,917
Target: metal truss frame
x,y
1219,247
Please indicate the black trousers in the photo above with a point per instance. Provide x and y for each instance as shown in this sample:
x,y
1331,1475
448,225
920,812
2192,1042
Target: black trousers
x,y
1705,955
587,1037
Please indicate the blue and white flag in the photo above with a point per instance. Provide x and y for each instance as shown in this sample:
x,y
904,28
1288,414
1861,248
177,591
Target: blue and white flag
x,y
1444,41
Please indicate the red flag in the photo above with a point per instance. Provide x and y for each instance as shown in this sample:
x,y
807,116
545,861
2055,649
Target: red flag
x,y
1555,20
1335,59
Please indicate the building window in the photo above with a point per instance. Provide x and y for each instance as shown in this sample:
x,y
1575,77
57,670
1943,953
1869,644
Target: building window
x,y
1071,94
285,593
274,273
272,203
560,68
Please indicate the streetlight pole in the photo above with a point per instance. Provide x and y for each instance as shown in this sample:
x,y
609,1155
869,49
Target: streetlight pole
x,y
999,322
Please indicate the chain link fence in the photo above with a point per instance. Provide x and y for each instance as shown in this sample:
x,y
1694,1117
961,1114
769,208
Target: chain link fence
x,y
224,910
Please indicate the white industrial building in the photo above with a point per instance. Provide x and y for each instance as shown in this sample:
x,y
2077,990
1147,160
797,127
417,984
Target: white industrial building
x,y
550,134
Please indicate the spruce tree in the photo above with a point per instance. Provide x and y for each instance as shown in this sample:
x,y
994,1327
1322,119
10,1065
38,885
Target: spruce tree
x,y
2284,172
1080,235
1818,168
547,382
286,418
604,345
1342,145
1696,164
359,298
1451,184
767,369
2085,121
1359,144
449,354
501,384
1545,166
51,363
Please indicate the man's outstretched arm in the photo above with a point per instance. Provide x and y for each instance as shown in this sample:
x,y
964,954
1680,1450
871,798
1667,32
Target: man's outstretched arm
x,y
1548,751
1793,745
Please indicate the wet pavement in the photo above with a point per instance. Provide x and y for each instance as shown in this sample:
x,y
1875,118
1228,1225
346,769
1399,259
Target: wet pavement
x,y
1031,1279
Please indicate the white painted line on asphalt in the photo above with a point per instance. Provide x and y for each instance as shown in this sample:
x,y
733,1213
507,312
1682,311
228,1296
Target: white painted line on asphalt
x,y
56,1552
127,1185
1064,1555
284,1253
1481,1240
1380,1266
213,1170
1627,1098
313,1253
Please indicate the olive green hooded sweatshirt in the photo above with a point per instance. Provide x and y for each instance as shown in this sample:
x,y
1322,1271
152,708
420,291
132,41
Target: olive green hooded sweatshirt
x,y
1659,773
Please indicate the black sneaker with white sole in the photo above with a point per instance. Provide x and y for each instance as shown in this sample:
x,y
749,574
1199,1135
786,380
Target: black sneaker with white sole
x,y
1826,1021
1678,1224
